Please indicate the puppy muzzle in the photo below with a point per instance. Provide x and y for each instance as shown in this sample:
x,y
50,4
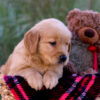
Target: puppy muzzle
x,y
62,58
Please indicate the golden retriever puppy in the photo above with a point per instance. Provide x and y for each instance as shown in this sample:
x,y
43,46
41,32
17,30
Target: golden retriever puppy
x,y
41,55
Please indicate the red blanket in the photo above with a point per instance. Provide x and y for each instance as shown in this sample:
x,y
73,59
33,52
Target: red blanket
x,y
70,87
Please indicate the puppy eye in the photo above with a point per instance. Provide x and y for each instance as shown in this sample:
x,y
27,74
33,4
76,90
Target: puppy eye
x,y
53,43
66,43
96,27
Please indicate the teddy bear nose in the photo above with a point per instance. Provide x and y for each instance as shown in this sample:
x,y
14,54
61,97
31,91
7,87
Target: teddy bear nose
x,y
89,33
62,58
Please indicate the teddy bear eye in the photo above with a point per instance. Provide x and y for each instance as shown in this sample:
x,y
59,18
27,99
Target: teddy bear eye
x,y
53,43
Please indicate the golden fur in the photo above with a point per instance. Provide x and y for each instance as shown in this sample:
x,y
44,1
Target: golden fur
x,y
36,59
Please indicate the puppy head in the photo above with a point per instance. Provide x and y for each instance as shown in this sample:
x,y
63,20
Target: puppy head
x,y
50,40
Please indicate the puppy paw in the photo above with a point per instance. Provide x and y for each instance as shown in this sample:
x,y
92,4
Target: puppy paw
x,y
35,81
50,80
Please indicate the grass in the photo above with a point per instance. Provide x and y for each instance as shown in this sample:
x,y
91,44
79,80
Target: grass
x,y
17,16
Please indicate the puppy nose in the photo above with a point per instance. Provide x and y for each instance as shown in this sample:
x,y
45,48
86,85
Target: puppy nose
x,y
63,58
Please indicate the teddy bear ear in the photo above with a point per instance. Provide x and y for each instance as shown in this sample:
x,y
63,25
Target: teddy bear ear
x,y
73,20
73,13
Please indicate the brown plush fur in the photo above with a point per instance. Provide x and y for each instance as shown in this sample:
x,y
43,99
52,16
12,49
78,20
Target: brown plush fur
x,y
36,59
77,20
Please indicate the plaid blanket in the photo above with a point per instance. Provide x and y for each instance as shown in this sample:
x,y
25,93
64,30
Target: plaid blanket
x,y
70,87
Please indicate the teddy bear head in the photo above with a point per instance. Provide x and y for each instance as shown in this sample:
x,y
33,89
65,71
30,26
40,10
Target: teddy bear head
x,y
85,27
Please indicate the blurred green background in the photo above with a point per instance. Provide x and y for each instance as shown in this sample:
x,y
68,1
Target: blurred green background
x,y
17,16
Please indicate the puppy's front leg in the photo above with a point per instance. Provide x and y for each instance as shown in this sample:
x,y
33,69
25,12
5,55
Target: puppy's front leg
x,y
32,76
50,79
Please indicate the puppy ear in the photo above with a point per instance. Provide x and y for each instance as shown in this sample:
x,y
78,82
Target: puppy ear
x,y
69,47
31,40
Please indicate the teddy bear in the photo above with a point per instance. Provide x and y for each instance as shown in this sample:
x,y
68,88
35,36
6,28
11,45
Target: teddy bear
x,y
85,51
